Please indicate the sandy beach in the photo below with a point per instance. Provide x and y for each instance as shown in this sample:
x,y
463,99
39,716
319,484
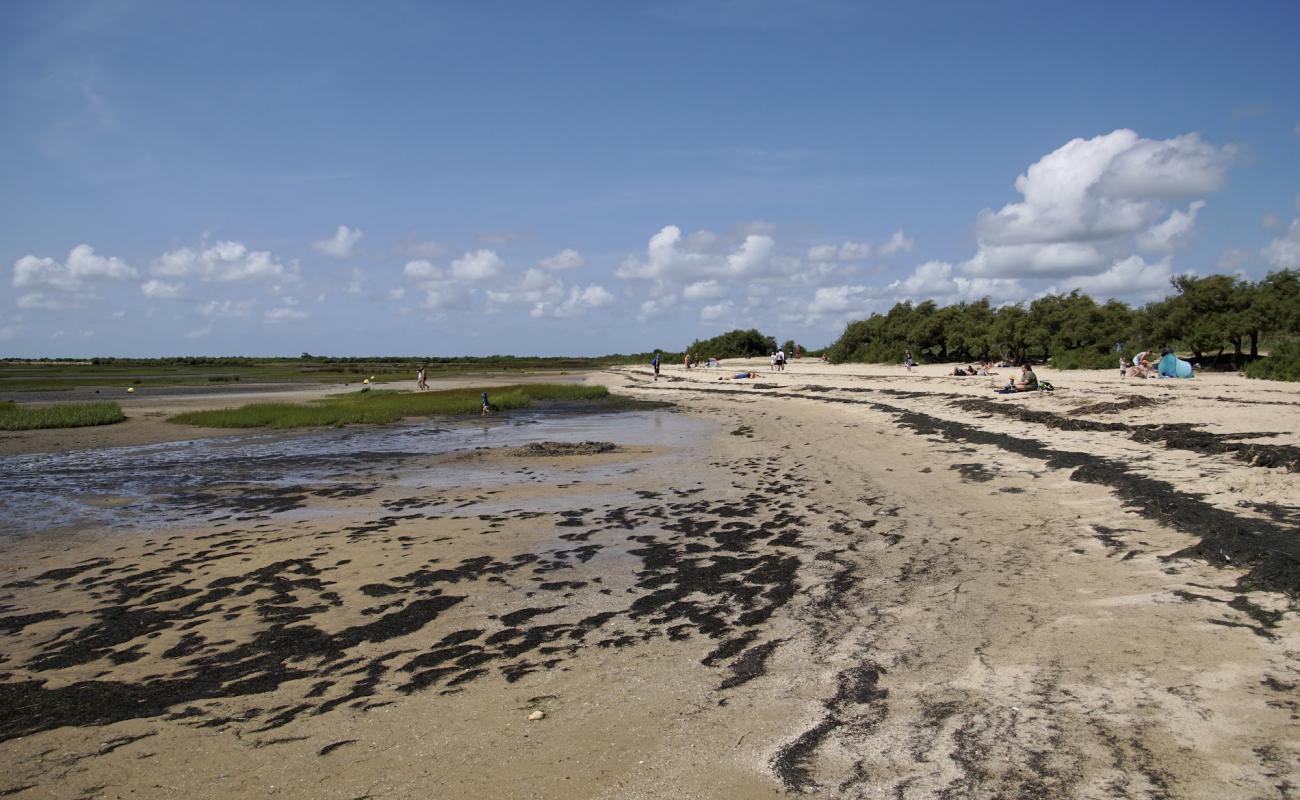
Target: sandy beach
x,y
836,581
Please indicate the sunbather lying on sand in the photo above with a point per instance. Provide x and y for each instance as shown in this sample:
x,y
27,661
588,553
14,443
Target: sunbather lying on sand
x,y
739,376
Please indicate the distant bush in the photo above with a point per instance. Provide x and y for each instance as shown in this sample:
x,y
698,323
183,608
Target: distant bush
x,y
1281,364
1085,359
14,417
734,344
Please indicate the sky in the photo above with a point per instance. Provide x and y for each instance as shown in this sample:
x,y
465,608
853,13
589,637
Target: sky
x,y
582,178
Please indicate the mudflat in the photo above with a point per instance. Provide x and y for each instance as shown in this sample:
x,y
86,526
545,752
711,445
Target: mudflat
x,y
836,581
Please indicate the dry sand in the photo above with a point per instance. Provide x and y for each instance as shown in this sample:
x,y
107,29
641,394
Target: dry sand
x,y
855,582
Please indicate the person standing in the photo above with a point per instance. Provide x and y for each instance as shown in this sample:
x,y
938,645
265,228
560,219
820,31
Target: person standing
x,y
654,362
421,377
907,360
487,407
686,360
780,360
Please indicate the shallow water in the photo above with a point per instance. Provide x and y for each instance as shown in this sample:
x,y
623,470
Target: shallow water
x,y
140,486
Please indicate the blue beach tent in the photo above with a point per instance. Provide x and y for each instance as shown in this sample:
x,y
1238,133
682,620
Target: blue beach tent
x,y
1172,366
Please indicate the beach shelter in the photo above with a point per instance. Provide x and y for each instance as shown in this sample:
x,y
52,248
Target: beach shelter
x,y
1172,366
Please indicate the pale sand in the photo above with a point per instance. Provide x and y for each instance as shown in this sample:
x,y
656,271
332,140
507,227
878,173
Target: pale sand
x,y
815,597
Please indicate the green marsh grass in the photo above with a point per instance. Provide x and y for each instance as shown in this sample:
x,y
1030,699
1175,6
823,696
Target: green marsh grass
x,y
14,417
381,407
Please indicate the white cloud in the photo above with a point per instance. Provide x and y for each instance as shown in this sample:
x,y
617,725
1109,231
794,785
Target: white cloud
x,y
341,244
223,262
162,290
898,243
848,251
704,290
752,256
421,270
479,265
565,259
227,308
446,296
396,294
667,260
1056,258
1172,234
935,280
288,312
1086,202
578,302
534,286
656,307
717,312
1132,278
1284,251
838,300
1269,220
82,265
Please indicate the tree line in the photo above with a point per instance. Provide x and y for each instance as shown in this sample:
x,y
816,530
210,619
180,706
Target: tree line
x,y
1207,317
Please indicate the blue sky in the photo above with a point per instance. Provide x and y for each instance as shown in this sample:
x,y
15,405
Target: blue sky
x,y
581,178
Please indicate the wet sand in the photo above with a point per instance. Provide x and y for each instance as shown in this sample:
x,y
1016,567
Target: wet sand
x,y
846,582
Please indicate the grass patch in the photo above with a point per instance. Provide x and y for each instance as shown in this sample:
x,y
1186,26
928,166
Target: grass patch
x,y
380,407
14,417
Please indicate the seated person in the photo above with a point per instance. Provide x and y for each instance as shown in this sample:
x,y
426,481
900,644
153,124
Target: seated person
x,y
1028,382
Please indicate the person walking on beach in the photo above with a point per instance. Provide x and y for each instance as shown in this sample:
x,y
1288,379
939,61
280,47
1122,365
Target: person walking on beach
x,y
686,359
907,360
780,361
654,362
487,407
421,377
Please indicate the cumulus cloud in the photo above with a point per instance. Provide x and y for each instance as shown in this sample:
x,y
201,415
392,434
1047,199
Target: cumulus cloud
x,y
533,287
578,302
848,251
162,290
704,290
1173,233
421,270
341,244
938,280
565,259
898,243
717,312
667,258
839,300
1131,278
223,262
1086,201
656,307
288,312
1284,251
479,265
83,265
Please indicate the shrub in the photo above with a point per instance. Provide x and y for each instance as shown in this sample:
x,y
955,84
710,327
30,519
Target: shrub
x,y
1281,364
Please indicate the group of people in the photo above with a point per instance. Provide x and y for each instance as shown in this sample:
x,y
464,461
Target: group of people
x,y
984,370
1027,382
1146,365
778,361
